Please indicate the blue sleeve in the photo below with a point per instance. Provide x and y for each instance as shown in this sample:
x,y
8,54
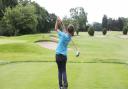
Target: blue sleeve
x,y
60,33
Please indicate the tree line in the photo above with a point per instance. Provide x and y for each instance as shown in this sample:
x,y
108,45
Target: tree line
x,y
110,24
18,17
114,24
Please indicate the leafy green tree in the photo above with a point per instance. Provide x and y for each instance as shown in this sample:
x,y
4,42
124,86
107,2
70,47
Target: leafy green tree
x,y
79,16
91,31
104,31
1,9
67,21
125,21
20,20
43,18
6,29
104,22
97,26
6,3
109,23
114,24
9,3
24,2
125,30
52,20
121,24
76,26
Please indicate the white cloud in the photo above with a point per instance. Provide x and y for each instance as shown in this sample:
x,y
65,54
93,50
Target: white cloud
x,y
95,8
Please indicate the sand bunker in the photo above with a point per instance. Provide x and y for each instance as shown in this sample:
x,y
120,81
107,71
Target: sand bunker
x,y
48,45
124,36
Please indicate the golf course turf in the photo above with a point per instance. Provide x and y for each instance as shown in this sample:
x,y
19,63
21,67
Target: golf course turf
x,y
102,64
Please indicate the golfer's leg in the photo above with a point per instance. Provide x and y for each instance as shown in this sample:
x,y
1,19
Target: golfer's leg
x,y
59,70
60,74
65,74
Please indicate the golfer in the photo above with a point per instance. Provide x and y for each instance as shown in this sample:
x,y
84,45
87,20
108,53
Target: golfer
x,y
61,52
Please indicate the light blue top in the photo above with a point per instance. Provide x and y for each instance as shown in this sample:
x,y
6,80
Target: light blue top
x,y
64,39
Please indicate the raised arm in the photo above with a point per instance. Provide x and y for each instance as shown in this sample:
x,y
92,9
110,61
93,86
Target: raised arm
x,y
58,24
63,27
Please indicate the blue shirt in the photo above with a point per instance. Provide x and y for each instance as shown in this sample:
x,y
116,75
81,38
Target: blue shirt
x,y
64,39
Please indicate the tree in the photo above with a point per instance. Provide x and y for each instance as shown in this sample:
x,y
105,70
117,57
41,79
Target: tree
x,y
104,31
9,3
79,16
77,27
6,3
109,24
52,20
1,8
115,25
20,20
125,30
91,31
43,18
125,21
104,22
67,21
24,2
121,24
97,26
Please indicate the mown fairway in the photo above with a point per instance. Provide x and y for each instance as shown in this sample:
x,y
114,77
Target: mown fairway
x,y
103,63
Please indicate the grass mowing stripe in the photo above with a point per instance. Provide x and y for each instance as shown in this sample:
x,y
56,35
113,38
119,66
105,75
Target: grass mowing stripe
x,y
80,76
101,76
24,76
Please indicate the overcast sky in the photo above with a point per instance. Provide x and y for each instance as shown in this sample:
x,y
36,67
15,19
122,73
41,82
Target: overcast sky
x,y
95,8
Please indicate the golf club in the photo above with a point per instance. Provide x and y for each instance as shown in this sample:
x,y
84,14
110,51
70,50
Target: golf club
x,y
77,52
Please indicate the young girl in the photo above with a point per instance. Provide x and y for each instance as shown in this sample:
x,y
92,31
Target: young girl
x,y
61,52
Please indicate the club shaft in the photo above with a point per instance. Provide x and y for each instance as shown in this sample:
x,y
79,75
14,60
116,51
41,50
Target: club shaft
x,y
74,45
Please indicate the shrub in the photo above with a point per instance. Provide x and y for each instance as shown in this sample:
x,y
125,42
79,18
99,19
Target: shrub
x,y
77,32
125,30
91,31
104,31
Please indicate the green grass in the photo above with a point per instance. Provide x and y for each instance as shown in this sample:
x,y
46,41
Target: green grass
x,y
24,48
107,49
102,64
80,76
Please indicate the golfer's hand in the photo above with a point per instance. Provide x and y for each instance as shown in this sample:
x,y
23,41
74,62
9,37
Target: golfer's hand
x,y
59,21
58,24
